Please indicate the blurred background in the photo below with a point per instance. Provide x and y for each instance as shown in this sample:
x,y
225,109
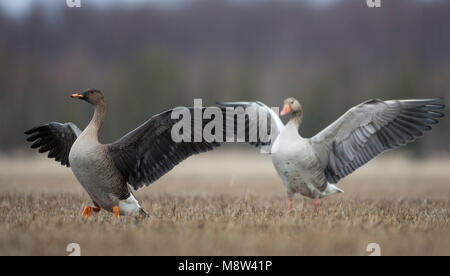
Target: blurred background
x,y
148,56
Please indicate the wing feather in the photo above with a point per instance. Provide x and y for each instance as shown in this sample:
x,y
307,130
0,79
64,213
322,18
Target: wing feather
x,y
147,153
370,129
55,138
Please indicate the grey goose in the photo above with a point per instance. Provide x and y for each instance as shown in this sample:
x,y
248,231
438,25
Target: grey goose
x,y
105,170
311,167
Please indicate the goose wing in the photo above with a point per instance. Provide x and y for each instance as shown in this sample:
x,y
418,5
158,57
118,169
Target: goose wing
x,y
262,124
148,152
370,129
55,138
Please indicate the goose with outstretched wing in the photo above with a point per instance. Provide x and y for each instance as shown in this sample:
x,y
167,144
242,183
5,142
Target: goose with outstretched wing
x,y
104,170
312,167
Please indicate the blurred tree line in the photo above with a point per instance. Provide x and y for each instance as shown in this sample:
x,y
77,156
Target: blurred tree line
x,y
148,59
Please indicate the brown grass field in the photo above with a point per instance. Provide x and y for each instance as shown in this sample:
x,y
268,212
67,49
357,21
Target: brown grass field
x,y
229,203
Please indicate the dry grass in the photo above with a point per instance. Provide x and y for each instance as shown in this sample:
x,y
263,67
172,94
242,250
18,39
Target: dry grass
x,y
236,208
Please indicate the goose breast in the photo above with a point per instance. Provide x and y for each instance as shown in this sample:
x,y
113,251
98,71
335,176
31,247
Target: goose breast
x,y
96,173
299,167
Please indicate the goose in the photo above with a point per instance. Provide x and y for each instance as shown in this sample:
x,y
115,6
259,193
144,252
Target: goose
x,y
313,166
104,170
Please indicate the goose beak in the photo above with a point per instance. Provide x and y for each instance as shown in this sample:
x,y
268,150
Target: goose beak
x,y
286,110
77,96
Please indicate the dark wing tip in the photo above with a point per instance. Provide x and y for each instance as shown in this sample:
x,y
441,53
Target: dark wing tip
x,y
433,100
30,131
32,138
435,106
35,129
436,100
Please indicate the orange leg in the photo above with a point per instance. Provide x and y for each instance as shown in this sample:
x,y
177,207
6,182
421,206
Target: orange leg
x,y
289,204
116,211
316,205
86,211
96,209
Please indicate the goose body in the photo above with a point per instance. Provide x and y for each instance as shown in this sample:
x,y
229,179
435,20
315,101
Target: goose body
x,y
93,170
96,172
297,165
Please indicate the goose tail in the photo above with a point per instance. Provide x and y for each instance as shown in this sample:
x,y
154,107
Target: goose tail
x,y
331,190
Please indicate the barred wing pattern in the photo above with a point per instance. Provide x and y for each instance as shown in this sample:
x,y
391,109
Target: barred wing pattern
x,y
370,129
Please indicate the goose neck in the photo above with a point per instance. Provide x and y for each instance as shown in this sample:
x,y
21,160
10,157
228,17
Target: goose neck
x,y
97,120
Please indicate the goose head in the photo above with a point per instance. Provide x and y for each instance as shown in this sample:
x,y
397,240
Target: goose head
x,y
92,96
293,106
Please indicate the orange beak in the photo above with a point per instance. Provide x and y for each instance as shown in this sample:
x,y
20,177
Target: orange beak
x,y
286,110
77,96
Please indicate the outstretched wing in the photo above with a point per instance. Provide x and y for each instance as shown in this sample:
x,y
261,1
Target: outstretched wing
x,y
261,113
147,153
371,128
55,138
